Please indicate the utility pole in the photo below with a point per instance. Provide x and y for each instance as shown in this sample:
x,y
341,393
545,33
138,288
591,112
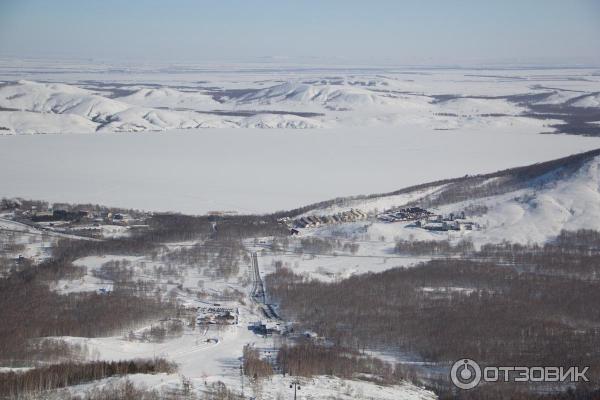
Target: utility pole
x,y
296,386
242,375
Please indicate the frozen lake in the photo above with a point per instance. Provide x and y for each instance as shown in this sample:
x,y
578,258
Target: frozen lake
x,y
257,170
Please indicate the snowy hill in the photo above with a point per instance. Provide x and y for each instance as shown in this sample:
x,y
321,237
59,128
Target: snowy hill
x,y
333,96
52,108
171,98
590,101
525,101
526,204
26,122
279,121
31,107
478,106
58,99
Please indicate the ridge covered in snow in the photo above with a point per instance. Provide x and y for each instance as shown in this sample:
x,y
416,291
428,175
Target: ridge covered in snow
x,y
437,100
525,205
32,107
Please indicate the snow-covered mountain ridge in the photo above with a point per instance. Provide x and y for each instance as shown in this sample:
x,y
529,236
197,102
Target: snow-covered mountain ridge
x,y
523,205
32,107
436,100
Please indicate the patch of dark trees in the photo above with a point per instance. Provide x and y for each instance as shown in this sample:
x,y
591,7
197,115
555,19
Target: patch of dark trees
x,y
315,245
18,384
308,359
217,258
254,366
520,392
579,249
572,254
433,247
575,120
174,228
29,310
177,227
248,226
505,305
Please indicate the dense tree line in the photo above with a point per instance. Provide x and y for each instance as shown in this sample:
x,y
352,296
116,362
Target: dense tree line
x,y
254,366
159,332
308,359
513,391
315,245
176,227
71,249
16,384
248,226
42,350
574,254
433,247
218,391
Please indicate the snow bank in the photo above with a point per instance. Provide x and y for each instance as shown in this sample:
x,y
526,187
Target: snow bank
x,y
591,101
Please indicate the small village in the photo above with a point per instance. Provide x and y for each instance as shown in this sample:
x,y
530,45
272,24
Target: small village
x,y
417,217
217,315
427,220
92,222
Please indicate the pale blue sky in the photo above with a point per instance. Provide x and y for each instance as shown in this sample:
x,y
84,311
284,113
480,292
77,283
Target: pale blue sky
x,y
341,31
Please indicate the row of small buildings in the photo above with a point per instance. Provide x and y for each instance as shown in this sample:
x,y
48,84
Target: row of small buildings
x,y
404,214
61,215
217,315
420,217
455,225
427,220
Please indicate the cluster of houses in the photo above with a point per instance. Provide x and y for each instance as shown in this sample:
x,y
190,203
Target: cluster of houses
x,y
268,327
61,215
427,220
420,217
90,223
404,214
445,225
217,315
58,215
312,221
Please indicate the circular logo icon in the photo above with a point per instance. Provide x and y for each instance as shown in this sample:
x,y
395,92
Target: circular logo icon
x,y
465,374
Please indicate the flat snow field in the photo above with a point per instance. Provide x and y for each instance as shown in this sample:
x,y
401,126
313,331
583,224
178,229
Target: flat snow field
x,y
253,170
